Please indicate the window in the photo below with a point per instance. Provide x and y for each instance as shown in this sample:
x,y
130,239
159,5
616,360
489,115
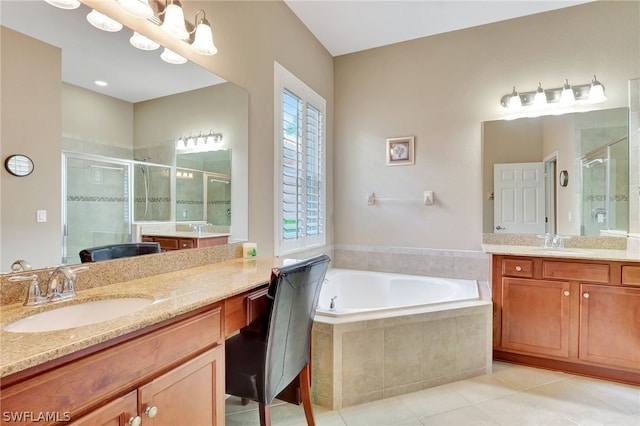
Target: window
x,y
301,164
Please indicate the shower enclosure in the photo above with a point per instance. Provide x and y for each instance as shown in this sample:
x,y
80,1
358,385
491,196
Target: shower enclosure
x,y
96,207
605,185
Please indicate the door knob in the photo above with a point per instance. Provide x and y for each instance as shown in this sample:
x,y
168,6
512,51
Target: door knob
x,y
500,228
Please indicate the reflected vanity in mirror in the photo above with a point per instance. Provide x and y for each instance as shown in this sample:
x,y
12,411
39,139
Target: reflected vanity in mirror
x,y
121,170
535,158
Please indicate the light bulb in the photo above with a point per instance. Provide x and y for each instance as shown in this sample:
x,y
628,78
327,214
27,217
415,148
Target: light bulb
x,y
567,98
203,40
514,101
596,92
540,99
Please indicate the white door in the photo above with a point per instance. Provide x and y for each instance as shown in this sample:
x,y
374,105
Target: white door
x,y
519,198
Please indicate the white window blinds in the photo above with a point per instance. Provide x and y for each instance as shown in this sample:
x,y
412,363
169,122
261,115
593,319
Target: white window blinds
x,y
300,177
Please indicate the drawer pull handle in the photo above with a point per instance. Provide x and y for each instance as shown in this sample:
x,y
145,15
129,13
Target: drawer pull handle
x,y
135,421
518,268
566,292
151,412
585,295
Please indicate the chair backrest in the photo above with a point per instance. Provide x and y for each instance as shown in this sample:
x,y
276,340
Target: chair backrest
x,y
295,290
115,251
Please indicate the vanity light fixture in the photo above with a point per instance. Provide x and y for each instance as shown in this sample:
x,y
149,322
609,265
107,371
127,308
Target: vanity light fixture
x,y
64,4
596,92
137,8
141,42
567,98
202,142
514,100
564,96
173,22
103,22
171,57
540,99
203,38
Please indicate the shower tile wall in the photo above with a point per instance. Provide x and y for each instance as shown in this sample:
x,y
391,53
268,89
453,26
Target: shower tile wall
x,y
152,193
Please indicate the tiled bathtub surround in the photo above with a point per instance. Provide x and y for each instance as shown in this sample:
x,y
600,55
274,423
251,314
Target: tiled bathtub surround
x,y
365,361
414,261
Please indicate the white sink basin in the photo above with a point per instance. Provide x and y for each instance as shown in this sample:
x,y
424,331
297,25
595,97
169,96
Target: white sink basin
x,y
78,315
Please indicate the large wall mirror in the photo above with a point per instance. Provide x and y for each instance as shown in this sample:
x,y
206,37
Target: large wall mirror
x,y
160,144
578,174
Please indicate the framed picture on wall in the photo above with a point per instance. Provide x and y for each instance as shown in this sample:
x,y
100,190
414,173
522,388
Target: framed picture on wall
x,y
400,151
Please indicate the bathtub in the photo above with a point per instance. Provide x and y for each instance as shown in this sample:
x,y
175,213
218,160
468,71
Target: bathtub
x,y
360,292
390,334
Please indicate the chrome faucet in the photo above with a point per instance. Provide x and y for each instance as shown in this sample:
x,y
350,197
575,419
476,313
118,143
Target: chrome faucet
x,y
20,265
197,228
553,241
332,304
60,285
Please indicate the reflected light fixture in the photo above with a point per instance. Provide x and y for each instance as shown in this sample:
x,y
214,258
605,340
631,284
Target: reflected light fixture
x,y
540,99
64,4
203,39
596,92
202,142
173,22
514,100
567,97
171,57
137,8
103,22
141,42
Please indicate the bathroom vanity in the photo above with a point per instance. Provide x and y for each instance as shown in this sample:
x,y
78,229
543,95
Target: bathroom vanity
x,y
574,313
186,240
162,365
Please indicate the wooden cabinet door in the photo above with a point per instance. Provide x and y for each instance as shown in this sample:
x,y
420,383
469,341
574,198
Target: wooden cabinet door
x,y
191,394
119,412
610,325
535,316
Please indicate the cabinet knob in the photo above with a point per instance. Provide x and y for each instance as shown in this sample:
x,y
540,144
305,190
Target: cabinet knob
x,y
135,421
585,295
566,292
518,268
151,412
184,245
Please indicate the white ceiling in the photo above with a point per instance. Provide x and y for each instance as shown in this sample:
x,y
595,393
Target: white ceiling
x,y
347,26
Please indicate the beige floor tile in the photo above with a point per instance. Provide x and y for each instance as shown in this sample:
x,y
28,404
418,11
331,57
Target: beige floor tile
x,y
522,378
389,411
433,401
521,410
466,416
482,388
621,396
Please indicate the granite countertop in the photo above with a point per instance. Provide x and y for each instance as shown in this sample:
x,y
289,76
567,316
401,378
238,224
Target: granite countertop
x,y
185,234
174,293
571,253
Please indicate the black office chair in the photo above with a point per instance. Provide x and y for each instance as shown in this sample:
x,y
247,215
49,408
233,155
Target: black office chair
x,y
116,251
268,354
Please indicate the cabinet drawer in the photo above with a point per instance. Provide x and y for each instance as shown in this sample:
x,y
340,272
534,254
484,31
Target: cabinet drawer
x,y
167,243
631,275
592,272
242,309
517,267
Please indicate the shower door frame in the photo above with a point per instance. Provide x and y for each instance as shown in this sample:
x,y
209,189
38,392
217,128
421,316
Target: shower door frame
x,y
98,158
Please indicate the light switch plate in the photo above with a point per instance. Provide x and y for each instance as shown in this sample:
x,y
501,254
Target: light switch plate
x,y
41,216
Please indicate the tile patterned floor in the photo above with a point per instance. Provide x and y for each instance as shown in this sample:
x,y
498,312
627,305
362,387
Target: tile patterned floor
x,y
511,396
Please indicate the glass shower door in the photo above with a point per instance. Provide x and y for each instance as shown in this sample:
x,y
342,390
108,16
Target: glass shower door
x,y
96,206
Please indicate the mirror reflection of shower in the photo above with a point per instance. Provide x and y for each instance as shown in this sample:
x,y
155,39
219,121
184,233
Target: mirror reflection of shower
x,y
144,168
605,183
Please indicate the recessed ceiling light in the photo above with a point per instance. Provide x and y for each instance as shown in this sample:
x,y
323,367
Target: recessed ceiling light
x,y
100,83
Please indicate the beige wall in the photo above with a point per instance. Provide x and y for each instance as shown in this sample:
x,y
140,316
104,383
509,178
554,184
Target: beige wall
x,y
440,89
31,125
